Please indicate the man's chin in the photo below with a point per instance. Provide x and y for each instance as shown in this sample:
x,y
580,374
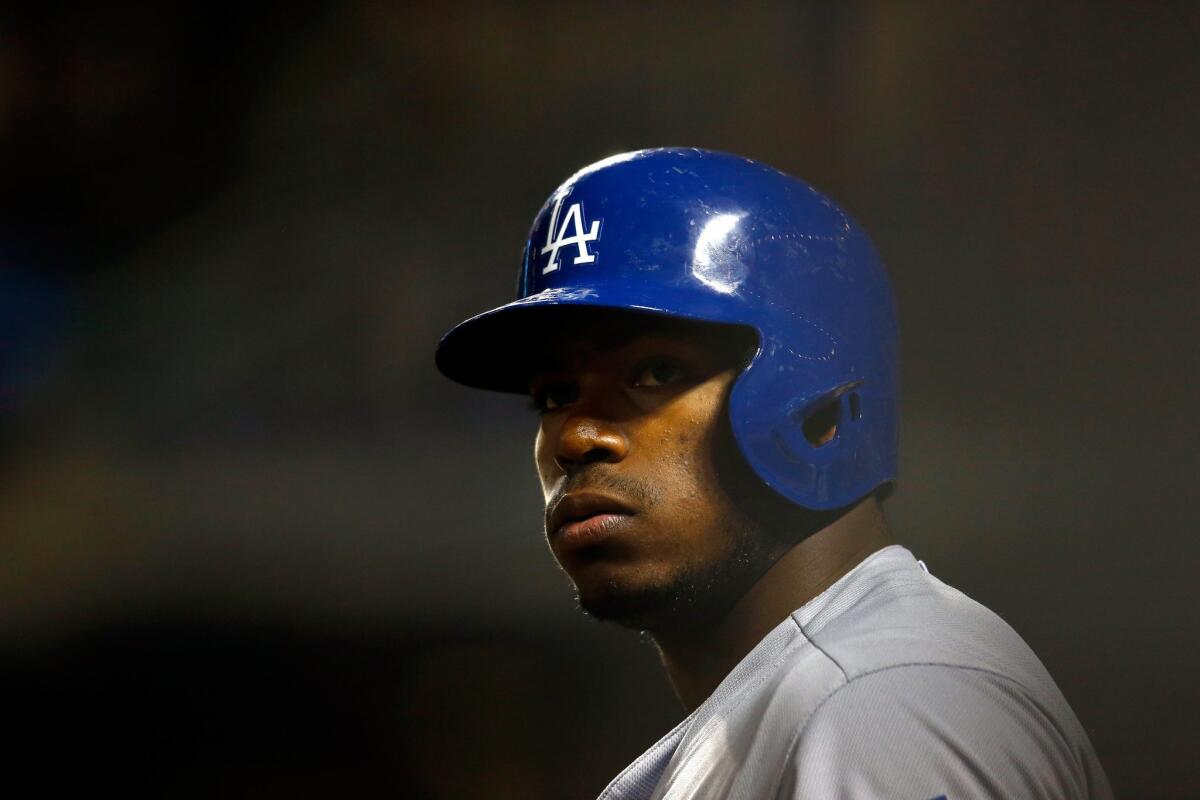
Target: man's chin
x,y
684,602
690,596
643,608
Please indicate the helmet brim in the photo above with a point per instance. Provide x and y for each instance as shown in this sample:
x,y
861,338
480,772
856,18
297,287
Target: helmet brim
x,y
498,349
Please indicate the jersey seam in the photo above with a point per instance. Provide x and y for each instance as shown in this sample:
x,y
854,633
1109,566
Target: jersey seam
x,y
898,579
821,650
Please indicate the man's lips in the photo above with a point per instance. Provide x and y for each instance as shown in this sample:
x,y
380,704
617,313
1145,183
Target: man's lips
x,y
584,517
588,532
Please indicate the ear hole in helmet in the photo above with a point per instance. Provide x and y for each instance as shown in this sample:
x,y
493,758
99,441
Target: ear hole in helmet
x,y
821,426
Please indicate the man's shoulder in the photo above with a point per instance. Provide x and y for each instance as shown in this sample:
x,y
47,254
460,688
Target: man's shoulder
x,y
927,730
904,656
892,626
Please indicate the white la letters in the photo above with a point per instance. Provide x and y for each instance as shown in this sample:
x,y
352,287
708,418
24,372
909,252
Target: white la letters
x,y
578,235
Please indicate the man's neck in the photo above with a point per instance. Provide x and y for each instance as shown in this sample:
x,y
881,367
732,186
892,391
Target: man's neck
x,y
699,658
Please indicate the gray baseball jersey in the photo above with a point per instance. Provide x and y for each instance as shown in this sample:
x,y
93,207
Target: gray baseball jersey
x,y
890,684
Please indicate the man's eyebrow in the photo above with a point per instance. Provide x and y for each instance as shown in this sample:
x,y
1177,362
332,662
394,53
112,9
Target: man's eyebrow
x,y
547,364
602,342
552,361
562,358
579,351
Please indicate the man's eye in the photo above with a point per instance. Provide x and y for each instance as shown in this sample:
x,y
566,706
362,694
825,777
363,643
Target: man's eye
x,y
659,373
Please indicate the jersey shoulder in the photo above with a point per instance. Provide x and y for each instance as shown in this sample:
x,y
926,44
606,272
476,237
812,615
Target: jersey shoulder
x,y
937,680
928,730
902,615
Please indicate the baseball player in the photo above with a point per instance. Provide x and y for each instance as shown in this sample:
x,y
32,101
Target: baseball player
x,y
711,348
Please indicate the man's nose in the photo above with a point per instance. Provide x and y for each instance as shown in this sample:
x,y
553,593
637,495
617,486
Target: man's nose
x,y
586,439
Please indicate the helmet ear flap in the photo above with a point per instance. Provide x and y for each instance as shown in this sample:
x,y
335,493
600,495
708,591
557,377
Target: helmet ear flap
x,y
800,449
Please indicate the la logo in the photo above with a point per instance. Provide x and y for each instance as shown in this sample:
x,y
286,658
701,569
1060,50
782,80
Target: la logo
x,y
571,232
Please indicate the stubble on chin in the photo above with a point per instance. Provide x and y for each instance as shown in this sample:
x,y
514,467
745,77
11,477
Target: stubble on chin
x,y
694,595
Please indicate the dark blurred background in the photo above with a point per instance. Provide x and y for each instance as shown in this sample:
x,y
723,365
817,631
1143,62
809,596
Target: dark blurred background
x,y
254,545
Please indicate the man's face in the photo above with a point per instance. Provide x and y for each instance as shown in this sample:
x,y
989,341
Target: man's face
x,y
636,462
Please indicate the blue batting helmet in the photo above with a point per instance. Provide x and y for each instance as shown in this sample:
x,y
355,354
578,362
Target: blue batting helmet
x,y
714,237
